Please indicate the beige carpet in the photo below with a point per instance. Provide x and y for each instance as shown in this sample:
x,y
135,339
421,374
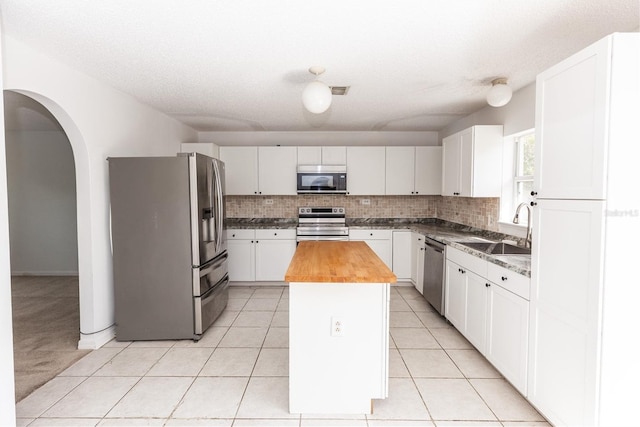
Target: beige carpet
x,y
46,329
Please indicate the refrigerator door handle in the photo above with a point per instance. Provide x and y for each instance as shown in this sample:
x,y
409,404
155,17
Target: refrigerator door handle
x,y
218,206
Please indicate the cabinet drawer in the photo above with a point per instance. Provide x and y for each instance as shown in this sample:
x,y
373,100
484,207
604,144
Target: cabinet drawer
x,y
509,280
468,261
240,233
361,234
276,233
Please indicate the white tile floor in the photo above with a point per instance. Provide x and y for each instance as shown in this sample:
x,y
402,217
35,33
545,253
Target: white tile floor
x,y
237,375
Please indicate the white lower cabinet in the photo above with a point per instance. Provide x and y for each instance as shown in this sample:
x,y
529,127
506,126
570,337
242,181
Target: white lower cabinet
x,y
401,254
489,305
242,255
417,260
378,240
274,250
262,255
507,342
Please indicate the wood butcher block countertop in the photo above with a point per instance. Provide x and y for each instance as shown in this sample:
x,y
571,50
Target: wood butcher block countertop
x,y
337,262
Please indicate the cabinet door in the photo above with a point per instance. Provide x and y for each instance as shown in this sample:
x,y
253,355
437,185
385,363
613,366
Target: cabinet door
x,y
400,170
277,170
476,310
428,171
382,248
566,271
465,171
241,170
334,155
401,256
451,165
241,261
309,155
508,334
366,171
456,296
273,258
420,267
571,129
417,243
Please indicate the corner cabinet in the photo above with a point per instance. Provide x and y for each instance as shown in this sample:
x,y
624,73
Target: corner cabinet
x,y
489,305
413,170
472,162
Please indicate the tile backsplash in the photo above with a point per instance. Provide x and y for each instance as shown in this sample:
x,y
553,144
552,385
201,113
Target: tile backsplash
x,y
475,212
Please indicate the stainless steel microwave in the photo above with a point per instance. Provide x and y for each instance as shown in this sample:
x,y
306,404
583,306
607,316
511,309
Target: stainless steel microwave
x,y
314,179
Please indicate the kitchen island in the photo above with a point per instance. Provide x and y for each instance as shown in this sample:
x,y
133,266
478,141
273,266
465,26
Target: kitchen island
x,y
339,296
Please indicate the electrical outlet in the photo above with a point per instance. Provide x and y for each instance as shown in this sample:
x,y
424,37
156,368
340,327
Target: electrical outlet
x,y
268,201
365,201
337,327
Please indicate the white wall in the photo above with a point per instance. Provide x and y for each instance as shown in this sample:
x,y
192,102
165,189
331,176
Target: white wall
x,y
7,389
319,138
42,203
99,122
518,115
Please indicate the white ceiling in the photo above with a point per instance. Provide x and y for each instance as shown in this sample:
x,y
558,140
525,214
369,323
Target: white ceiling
x,y
234,65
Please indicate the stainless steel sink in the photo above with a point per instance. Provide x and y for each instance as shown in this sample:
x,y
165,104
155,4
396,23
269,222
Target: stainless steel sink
x,y
497,248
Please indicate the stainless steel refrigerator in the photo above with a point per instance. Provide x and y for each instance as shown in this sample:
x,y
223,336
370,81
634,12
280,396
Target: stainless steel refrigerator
x,y
169,245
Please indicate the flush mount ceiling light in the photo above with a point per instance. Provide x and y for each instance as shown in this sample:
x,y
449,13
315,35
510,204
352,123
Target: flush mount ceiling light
x,y
500,93
316,97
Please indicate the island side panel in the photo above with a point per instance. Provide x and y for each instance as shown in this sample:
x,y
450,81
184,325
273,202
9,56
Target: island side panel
x,y
338,374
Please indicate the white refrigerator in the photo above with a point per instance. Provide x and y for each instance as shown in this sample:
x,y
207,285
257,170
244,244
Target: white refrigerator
x,y
584,317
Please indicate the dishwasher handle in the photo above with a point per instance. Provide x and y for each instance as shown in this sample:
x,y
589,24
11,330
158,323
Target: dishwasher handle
x,y
436,246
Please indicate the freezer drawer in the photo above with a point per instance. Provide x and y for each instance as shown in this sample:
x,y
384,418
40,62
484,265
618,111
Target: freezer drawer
x,y
210,274
210,305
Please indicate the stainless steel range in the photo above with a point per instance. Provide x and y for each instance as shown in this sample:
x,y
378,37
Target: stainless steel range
x,y
322,223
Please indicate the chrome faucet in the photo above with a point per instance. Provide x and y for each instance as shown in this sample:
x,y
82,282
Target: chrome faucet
x,y
516,220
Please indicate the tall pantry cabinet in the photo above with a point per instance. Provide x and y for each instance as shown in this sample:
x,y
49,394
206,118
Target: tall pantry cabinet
x,y
586,219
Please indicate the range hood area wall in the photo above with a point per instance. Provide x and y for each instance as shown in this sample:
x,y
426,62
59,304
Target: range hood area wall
x,y
474,212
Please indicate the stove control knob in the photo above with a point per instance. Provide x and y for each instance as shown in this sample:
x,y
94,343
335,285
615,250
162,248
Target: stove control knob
x,y
335,210
308,210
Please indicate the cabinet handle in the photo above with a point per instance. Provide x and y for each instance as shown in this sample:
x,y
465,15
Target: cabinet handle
x,y
504,279
533,203
534,193
256,241
417,192
233,235
487,284
370,234
461,270
275,234
252,241
255,192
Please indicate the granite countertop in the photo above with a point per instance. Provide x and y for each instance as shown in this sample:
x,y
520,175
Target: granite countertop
x,y
337,262
444,232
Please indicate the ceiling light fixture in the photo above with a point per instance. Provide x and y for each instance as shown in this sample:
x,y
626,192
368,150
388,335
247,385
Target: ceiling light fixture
x,y
500,93
316,97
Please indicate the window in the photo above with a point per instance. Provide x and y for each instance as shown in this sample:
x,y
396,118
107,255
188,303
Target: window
x,y
523,171
517,180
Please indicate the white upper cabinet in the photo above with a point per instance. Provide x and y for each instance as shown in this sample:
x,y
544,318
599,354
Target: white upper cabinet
x,y
428,171
366,171
322,155
241,168
277,170
413,170
400,167
472,162
571,129
260,170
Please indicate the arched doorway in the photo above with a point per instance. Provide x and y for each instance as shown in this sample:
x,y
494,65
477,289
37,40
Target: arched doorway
x,y
41,177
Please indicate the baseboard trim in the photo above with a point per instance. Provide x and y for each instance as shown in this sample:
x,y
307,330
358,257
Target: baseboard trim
x,y
97,339
44,273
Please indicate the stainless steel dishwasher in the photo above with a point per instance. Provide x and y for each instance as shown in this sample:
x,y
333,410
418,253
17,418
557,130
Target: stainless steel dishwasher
x,y
433,278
